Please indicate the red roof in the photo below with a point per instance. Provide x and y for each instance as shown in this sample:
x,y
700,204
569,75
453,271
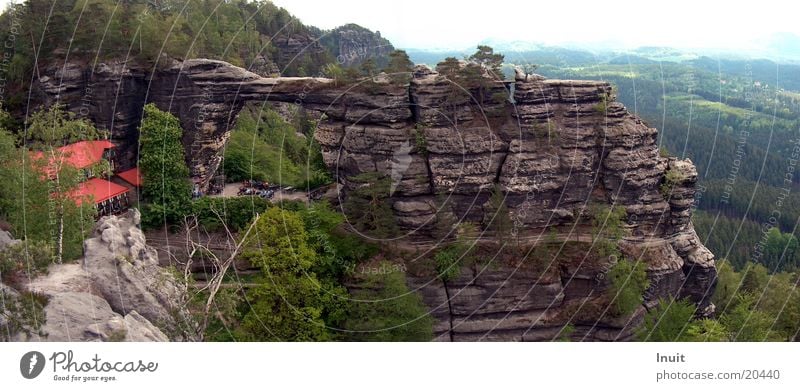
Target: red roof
x,y
132,176
79,155
99,189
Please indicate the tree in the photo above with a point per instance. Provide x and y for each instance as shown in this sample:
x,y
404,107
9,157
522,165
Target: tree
x,y
728,285
746,322
368,67
56,127
607,227
399,67
39,207
497,217
289,303
667,322
706,330
385,310
366,206
486,57
628,284
529,69
165,178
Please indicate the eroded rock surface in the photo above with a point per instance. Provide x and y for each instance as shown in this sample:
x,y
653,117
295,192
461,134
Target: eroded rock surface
x,y
552,147
117,293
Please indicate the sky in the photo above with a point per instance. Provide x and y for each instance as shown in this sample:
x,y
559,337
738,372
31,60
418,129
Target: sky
x,y
432,24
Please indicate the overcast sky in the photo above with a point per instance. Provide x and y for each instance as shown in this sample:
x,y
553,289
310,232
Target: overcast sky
x,y
622,23
457,24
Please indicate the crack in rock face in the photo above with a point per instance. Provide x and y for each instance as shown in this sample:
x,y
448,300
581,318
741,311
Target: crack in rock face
x,y
551,148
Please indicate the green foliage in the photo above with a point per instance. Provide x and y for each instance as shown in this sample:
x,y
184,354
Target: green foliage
x,y
30,258
366,207
745,322
628,284
728,285
38,208
449,259
706,330
602,106
56,127
23,313
671,178
667,322
290,303
165,178
236,212
140,31
338,253
368,67
607,227
399,67
263,146
385,310
756,306
565,333
486,57
421,141
497,218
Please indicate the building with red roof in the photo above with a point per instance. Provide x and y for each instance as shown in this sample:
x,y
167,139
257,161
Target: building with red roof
x,y
81,155
132,176
108,197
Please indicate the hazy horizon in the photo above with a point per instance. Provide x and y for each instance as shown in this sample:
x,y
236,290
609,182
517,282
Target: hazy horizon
x,y
626,24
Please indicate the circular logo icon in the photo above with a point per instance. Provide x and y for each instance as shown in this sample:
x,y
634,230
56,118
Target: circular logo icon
x,y
31,364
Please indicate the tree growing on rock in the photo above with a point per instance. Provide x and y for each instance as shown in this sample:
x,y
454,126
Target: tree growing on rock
x,y
486,57
497,217
367,208
399,67
165,178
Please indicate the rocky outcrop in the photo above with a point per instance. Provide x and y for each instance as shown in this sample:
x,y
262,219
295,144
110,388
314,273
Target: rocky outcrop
x,y
352,44
117,293
552,148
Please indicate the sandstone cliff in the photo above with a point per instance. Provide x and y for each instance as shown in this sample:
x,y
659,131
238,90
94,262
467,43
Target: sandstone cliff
x,y
553,147
352,44
117,293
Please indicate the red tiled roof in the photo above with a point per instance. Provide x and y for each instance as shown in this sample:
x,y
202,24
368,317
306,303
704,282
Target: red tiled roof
x,y
99,189
79,155
132,176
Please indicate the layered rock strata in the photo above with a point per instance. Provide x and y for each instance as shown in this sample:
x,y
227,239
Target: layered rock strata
x,y
552,148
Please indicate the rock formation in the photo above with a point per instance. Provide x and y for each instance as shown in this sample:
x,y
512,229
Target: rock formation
x,y
351,44
552,148
117,293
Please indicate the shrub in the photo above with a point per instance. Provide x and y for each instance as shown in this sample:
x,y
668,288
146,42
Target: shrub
x,y
671,178
236,212
628,284
34,256
667,322
386,311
